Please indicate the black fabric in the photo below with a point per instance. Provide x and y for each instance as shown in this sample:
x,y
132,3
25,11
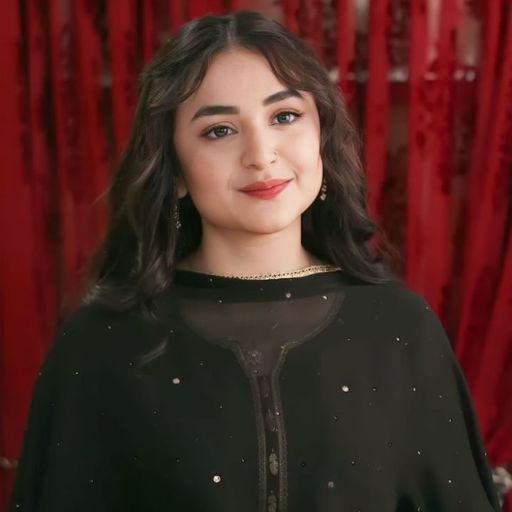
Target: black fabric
x,y
310,394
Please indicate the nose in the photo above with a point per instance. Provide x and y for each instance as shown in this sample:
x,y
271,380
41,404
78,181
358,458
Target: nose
x,y
258,151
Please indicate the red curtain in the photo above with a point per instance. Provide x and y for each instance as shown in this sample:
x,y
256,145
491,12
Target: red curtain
x,y
428,82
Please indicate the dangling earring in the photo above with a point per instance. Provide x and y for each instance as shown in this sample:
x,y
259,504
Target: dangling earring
x,y
323,191
176,215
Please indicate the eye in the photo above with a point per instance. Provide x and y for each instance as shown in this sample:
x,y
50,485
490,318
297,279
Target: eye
x,y
284,116
219,132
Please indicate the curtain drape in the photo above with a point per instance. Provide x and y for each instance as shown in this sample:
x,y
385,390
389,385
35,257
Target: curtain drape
x,y
429,84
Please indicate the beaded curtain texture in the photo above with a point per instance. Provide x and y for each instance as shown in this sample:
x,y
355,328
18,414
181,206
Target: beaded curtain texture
x,y
429,83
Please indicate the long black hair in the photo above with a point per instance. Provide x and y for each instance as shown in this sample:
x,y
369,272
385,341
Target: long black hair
x,y
142,245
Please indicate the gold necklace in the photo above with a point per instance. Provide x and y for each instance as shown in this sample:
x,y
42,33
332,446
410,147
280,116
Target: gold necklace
x,y
303,272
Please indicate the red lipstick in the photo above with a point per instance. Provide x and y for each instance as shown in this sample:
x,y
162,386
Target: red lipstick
x,y
265,189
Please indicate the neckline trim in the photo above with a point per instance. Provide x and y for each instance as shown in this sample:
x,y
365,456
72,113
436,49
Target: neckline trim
x,y
190,282
294,274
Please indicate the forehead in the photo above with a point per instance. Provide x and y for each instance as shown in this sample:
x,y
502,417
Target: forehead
x,y
240,78
235,77
245,65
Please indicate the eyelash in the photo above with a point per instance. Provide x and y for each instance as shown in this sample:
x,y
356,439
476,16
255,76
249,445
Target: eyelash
x,y
297,115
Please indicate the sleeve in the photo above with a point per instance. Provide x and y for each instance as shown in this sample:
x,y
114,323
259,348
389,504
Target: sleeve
x,y
445,449
66,464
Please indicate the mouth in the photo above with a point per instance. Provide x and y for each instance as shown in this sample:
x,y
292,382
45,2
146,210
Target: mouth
x,y
265,189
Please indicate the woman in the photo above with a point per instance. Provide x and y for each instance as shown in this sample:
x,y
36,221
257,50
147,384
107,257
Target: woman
x,y
243,348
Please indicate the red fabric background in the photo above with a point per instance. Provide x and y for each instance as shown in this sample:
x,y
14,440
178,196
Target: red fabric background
x,y
437,127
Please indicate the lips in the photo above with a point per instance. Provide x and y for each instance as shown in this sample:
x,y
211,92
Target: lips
x,y
265,189
263,185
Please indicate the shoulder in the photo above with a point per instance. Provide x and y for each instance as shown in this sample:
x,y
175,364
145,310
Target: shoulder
x,y
391,300
93,337
392,311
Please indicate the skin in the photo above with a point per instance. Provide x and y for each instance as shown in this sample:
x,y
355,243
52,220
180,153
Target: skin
x,y
219,154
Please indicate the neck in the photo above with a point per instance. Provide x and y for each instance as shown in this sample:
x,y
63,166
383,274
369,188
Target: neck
x,y
227,253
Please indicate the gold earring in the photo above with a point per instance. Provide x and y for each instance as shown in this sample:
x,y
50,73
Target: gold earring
x,y
323,191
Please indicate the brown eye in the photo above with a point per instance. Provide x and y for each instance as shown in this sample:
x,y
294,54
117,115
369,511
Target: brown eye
x,y
219,132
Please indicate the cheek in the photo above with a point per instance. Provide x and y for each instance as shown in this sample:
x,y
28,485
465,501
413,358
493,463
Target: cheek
x,y
204,172
202,168
208,184
313,178
306,157
306,140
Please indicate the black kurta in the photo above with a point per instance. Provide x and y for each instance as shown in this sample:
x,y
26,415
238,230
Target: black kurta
x,y
312,394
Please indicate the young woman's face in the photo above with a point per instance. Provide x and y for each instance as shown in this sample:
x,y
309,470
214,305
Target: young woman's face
x,y
239,128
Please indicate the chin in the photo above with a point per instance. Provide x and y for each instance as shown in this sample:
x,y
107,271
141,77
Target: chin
x,y
269,225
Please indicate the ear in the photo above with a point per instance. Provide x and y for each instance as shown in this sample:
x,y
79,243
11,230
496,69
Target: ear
x,y
181,187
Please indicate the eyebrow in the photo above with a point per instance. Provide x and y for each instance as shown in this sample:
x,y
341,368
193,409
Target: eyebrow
x,y
213,110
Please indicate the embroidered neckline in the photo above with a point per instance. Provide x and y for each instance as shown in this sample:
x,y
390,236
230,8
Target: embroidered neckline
x,y
303,272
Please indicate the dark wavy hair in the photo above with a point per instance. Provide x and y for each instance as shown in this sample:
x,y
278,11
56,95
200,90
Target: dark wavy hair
x,y
142,245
